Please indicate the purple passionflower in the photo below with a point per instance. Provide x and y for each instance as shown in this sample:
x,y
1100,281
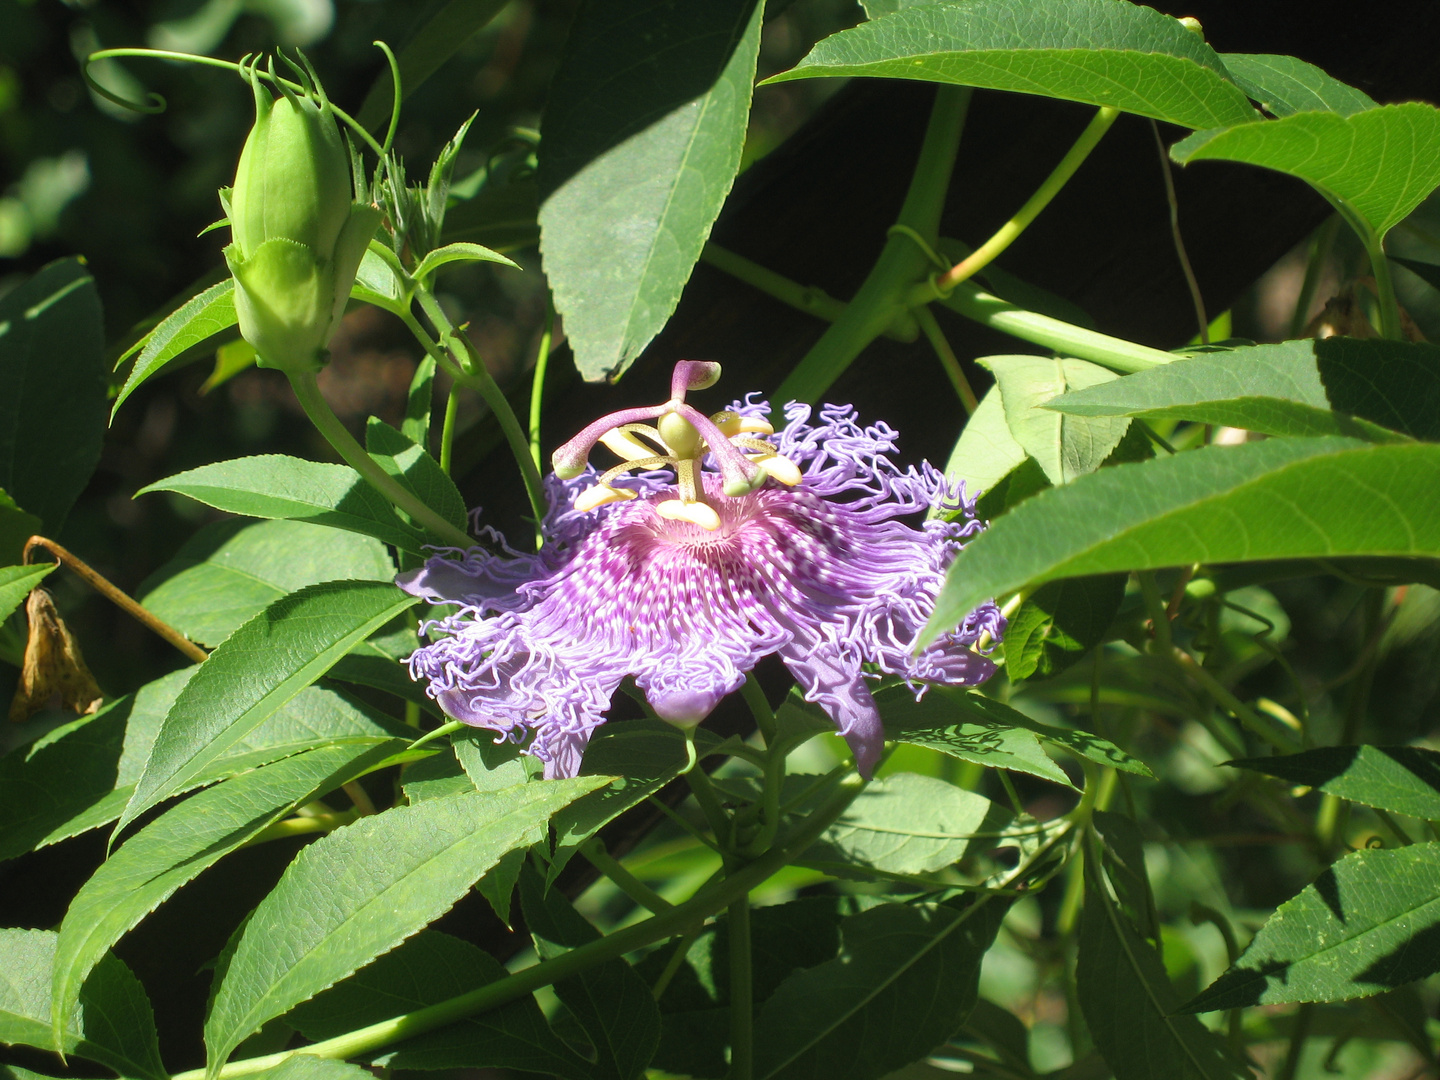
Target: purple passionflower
x,y
670,580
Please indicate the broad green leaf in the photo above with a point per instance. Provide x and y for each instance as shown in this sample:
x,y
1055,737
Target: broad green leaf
x,y
644,128
1128,1001
255,672
1366,925
1367,389
908,824
429,968
385,877
230,571
52,389
416,425
114,1024
903,983
459,252
277,486
986,452
1124,857
612,1004
1283,85
416,470
1381,161
1065,447
435,777
1277,499
975,728
1060,623
1401,779
1096,51
16,527
376,282
16,583
199,318
367,667
187,840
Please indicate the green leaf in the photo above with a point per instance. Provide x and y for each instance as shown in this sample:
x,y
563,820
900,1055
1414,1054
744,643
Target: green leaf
x,y
1366,925
613,1005
430,968
416,426
1065,447
378,283
277,486
1401,779
644,128
986,452
1277,499
1096,51
230,571
416,470
1335,386
1283,85
52,389
908,824
459,252
1382,162
16,582
199,318
16,527
1124,858
1060,623
400,870
1127,1000
187,840
903,983
113,1026
231,359
256,671
976,728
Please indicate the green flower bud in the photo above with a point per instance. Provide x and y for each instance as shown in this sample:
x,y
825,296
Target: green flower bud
x,y
298,236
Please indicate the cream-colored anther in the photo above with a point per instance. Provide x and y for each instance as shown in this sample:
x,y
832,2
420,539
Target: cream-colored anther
x,y
697,513
753,424
732,423
780,468
625,445
599,495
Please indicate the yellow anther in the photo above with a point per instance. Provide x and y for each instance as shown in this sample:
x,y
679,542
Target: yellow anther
x,y
732,423
755,424
779,468
625,445
697,513
599,495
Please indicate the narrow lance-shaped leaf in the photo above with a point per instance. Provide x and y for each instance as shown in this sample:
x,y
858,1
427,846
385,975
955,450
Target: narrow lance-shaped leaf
x,y
1287,84
202,316
254,672
1401,779
1096,51
1278,499
1368,924
386,876
185,841
643,133
16,583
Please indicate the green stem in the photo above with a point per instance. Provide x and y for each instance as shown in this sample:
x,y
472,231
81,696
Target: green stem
x,y
754,697
1298,1034
595,853
742,1004
1191,282
492,995
302,826
1117,354
1390,326
902,263
1270,732
704,792
329,425
515,435
948,360
806,298
447,431
1320,245
1004,236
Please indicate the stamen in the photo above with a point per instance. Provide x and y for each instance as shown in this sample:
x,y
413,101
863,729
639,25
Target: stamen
x,y
599,495
630,466
780,468
569,460
697,513
623,444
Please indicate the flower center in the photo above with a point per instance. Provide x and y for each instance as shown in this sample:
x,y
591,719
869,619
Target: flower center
x,y
680,439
